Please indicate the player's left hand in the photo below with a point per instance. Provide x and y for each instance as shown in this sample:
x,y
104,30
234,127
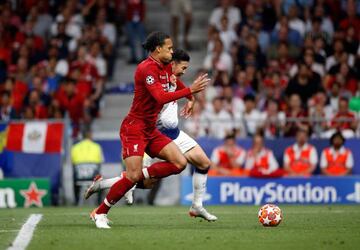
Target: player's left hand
x,y
187,110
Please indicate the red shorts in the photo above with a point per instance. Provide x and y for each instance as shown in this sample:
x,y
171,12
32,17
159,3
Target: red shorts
x,y
136,139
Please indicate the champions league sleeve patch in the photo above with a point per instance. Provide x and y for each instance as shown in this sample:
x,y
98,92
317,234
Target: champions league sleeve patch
x,y
150,80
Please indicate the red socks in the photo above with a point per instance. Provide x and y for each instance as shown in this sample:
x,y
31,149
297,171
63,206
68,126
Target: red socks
x,y
161,170
116,192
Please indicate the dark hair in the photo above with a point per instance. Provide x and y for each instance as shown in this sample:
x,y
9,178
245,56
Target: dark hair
x,y
154,39
259,132
86,132
337,134
180,55
303,130
249,97
343,98
69,80
230,135
6,93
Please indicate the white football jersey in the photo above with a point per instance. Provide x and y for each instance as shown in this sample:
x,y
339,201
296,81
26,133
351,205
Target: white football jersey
x,y
168,117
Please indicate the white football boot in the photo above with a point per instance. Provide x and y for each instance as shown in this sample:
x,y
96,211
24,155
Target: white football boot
x,y
202,213
94,187
101,220
129,196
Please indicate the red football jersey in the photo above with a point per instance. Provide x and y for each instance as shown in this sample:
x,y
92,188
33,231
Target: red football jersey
x,y
151,91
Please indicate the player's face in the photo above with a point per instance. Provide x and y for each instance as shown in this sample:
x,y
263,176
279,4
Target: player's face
x,y
166,51
179,68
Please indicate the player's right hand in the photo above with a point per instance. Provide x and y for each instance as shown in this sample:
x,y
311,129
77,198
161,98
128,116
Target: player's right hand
x,y
200,83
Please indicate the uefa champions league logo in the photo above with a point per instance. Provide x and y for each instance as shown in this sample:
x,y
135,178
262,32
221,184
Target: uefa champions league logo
x,y
190,197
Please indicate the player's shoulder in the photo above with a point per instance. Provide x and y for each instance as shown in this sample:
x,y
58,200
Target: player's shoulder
x,y
148,64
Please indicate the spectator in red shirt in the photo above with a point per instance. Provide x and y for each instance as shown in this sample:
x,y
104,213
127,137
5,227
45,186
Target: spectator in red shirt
x,y
228,159
34,103
73,103
300,159
336,160
260,161
344,121
85,73
18,92
34,42
351,19
344,75
294,112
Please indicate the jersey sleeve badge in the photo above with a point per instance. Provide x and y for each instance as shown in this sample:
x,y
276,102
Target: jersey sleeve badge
x,y
150,80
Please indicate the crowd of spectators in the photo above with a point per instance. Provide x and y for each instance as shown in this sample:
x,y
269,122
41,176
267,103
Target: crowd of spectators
x,y
55,58
281,65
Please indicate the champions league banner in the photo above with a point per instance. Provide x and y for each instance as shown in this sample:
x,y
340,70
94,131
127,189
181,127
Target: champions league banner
x,y
249,191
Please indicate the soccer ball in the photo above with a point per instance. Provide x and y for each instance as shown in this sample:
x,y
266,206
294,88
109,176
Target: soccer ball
x,y
270,215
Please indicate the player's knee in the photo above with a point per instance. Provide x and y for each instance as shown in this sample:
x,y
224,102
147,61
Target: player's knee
x,y
181,163
204,164
134,176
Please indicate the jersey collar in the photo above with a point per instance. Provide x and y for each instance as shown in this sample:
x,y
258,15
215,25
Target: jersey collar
x,y
161,65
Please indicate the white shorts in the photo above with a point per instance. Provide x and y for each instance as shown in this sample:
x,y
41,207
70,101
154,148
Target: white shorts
x,y
183,141
177,7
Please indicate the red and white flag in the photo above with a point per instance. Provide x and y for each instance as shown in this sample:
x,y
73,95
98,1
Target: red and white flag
x,y
35,137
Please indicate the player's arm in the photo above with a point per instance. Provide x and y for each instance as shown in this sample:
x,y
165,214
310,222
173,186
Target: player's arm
x,y
156,90
188,108
180,85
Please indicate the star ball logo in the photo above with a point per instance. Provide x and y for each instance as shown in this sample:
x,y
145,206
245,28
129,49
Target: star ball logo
x,y
33,195
150,80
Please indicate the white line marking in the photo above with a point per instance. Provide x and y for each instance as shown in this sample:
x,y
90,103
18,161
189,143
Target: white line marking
x,y
23,238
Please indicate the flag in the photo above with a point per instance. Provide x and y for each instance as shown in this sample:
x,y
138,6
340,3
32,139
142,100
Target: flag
x,y
35,137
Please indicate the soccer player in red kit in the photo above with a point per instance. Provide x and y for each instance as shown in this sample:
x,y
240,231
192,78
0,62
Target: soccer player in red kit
x,y
138,130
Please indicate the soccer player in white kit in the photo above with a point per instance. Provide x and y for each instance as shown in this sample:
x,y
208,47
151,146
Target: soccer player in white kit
x,y
168,125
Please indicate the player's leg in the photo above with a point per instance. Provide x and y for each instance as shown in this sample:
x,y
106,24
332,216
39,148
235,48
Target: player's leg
x,y
133,174
99,183
144,184
160,145
197,157
164,148
133,147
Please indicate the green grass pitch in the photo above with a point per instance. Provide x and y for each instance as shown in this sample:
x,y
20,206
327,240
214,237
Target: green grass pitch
x,y
141,227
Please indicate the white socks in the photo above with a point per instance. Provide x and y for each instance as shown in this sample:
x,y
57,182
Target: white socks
x,y
199,188
107,183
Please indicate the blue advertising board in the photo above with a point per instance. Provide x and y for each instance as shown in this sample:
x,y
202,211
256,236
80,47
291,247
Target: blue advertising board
x,y
112,148
249,191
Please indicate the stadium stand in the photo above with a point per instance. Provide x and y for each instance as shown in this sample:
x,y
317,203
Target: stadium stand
x,y
301,54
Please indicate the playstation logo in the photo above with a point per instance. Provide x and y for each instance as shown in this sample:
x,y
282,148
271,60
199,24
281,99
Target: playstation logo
x,y
355,197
